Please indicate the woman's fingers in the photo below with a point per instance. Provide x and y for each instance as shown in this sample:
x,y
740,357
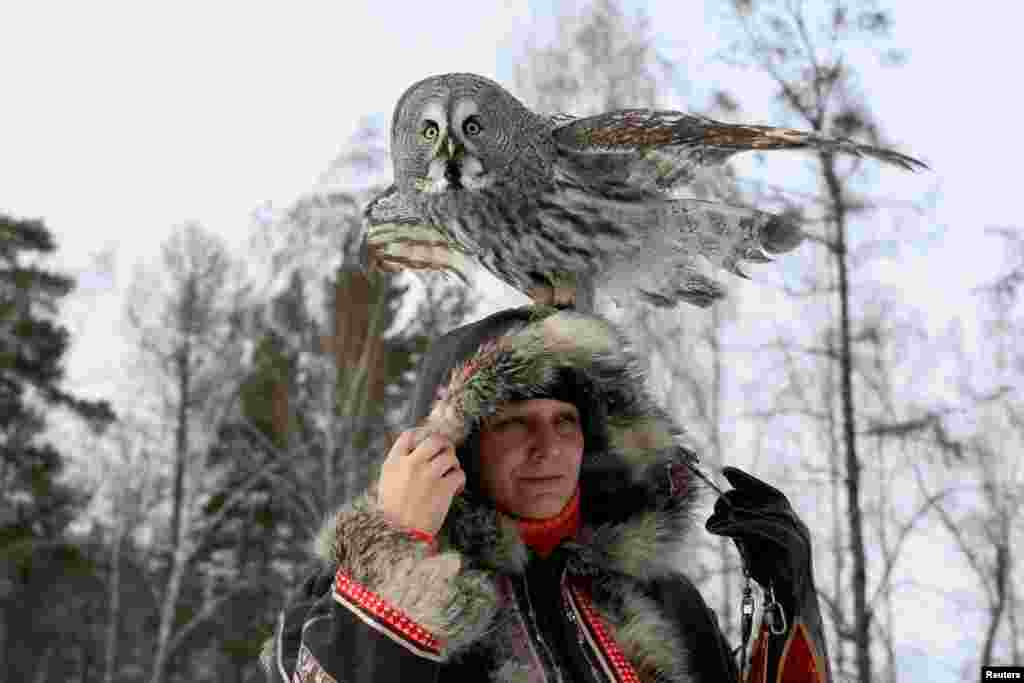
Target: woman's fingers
x,y
456,479
418,480
443,463
745,481
406,449
430,448
402,446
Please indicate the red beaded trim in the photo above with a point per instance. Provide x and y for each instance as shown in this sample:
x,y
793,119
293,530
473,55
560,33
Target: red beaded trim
x,y
606,645
391,621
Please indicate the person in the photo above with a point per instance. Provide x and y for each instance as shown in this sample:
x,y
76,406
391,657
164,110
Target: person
x,y
529,525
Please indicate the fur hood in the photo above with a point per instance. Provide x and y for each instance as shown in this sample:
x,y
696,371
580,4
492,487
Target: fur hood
x,y
637,493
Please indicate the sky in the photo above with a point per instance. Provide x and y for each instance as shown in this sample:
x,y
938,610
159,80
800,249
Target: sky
x,y
122,120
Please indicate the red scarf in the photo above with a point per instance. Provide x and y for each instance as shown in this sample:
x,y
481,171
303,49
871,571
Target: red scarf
x,y
544,535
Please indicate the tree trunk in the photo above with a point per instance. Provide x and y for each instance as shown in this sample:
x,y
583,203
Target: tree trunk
x,y
180,443
114,618
862,615
883,539
178,559
1001,575
167,613
839,620
1015,635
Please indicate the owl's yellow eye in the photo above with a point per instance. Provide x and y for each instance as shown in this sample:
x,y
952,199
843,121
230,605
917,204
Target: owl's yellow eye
x,y
430,131
471,126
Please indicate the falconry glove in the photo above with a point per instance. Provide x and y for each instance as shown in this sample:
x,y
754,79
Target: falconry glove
x,y
776,549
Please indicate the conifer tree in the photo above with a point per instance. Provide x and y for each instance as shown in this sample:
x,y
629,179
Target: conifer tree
x,y
36,506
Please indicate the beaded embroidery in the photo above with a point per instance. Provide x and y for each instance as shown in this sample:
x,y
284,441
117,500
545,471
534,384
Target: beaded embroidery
x,y
606,645
386,618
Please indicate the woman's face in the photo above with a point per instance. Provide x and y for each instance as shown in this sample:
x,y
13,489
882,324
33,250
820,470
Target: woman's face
x,y
530,455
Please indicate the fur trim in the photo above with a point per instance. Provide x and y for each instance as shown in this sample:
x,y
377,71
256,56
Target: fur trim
x,y
647,548
523,362
481,532
635,438
454,604
651,643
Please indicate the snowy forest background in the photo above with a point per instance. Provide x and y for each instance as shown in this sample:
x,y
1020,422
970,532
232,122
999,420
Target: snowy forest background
x,y
153,535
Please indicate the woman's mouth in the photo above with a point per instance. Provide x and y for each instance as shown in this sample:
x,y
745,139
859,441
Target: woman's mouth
x,y
541,480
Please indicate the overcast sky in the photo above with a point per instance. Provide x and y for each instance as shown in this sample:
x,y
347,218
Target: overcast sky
x,y
120,120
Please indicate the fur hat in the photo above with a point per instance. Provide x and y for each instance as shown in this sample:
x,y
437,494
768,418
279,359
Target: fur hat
x,y
461,351
633,452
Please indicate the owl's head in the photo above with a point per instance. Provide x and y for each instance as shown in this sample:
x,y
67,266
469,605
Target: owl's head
x,y
455,132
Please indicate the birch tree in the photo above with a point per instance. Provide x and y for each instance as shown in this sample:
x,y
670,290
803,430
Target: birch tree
x,y
184,317
985,520
804,51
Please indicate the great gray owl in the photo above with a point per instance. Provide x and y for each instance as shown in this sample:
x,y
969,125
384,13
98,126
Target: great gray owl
x,y
550,204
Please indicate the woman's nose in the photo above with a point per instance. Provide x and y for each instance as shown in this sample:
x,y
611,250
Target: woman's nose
x,y
547,440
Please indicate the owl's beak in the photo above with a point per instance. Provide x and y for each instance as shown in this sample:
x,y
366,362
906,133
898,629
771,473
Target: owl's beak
x,y
451,147
449,154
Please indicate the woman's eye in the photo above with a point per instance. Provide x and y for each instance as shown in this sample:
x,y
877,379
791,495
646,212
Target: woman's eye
x,y
471,126
430,131
568,422
509,423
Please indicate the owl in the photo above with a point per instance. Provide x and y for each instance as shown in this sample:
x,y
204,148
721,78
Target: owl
x,y
558,206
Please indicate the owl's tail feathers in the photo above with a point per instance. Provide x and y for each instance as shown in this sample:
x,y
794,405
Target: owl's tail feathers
x,y
696,238
746,137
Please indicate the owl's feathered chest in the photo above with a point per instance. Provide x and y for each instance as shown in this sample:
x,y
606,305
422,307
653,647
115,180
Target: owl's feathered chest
x,y
525,234
483,219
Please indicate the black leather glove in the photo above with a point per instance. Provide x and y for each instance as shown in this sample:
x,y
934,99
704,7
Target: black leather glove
x,y
774,542
776,547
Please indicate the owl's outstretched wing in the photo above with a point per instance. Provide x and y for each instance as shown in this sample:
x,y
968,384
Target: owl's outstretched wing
x,y
680,246
651,151
396,238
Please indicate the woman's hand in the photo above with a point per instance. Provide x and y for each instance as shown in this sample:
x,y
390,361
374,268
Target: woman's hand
x,y
776,545
773,540
418,482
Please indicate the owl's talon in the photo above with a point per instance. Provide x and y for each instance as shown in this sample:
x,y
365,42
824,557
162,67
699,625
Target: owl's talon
x,y
542,296
563,297
558,296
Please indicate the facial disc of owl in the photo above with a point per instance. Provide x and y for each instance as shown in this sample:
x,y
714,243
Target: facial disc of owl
x,y
448,134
